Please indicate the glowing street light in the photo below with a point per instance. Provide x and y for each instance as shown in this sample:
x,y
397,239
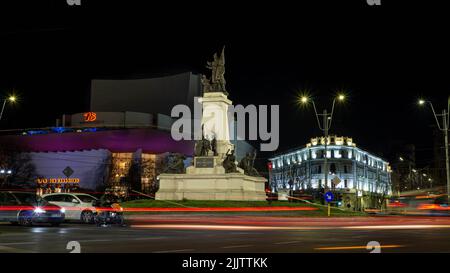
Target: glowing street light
x,y
11,99
324,126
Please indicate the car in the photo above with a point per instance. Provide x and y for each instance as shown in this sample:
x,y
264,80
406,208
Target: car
x,y
78,206
27,208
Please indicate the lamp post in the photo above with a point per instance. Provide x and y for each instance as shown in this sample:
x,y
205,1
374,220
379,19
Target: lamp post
x,y
11,99
443,128
325,127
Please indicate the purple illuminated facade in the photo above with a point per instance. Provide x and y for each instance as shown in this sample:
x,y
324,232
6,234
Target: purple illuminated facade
x,y
119,140
97,159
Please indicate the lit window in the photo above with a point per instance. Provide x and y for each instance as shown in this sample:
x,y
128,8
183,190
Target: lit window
x,y
328,154
337,154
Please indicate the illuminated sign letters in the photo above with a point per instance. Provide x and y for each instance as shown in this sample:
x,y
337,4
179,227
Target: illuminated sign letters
x,y
90,116
58,180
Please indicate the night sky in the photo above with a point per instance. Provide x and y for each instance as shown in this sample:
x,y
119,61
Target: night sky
x,y
384,58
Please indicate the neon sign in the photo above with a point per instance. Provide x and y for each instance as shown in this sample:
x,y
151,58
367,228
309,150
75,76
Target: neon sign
x,y
57,180
90,116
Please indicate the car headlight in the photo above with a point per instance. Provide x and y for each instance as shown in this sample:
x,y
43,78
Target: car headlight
x,y
39,210
62,210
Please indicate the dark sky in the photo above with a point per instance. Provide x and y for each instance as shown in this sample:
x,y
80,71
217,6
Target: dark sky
x,y
383,57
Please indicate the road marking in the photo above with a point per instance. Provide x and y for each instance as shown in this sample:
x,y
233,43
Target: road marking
x,y
175,250
355,247
149,238
14,250
285,243
96,240
18,243
237,246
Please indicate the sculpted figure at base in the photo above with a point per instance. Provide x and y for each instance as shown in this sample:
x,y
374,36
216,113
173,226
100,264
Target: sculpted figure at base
x,y
229,163
247,165
214,146
202,146
176,164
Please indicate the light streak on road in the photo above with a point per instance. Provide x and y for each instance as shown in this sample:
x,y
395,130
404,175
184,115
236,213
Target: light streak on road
x,y
220,209
397,227
268,227
223,227
355,247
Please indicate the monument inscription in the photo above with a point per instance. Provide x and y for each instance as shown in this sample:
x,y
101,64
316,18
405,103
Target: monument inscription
x,y
204,162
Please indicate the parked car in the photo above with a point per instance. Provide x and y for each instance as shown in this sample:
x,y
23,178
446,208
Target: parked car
x,y
78,206
26,208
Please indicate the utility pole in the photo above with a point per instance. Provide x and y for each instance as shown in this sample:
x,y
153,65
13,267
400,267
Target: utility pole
x,y
325,161
444,128
444,116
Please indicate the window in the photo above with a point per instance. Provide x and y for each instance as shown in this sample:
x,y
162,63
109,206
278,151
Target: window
x,y
56,198
333,168
337,154
317,169
85,198
345,183
29,198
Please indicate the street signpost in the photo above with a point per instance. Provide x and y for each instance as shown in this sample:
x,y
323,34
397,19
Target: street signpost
x,y
328,198
335,181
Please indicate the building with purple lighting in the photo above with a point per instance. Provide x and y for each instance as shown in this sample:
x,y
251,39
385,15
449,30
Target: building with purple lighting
x,y
122,142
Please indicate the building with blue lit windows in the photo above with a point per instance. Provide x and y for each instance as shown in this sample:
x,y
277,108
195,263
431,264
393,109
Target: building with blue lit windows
x,y
361,179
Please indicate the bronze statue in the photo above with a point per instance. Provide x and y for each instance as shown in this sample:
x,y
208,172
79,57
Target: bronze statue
x,y
206,84
202,147
229,163
176,164
247,165
217,67
214,146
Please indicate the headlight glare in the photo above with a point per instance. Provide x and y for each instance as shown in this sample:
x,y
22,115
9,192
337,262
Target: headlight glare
x,y
39,210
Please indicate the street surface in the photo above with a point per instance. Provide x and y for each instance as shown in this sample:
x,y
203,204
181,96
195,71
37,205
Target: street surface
x,y
225,233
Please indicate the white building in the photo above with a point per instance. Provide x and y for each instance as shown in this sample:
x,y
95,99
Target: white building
x,y
351,170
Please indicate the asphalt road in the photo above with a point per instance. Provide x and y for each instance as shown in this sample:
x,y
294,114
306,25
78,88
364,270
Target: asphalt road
x,y
219,233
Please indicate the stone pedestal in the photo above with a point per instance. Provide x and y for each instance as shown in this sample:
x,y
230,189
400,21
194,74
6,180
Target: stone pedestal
x,y
207,180
230,186
215,120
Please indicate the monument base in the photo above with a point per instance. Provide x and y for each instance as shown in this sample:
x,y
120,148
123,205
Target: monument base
x,y
229,186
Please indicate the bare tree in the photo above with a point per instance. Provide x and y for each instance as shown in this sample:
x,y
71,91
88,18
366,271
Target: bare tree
x,y
23,171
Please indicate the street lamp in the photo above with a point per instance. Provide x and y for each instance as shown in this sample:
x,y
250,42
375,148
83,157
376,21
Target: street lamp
x,y
325,126
443,128
4,174
11,99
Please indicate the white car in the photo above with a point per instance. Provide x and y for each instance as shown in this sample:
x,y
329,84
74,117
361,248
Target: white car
x,y
78,206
